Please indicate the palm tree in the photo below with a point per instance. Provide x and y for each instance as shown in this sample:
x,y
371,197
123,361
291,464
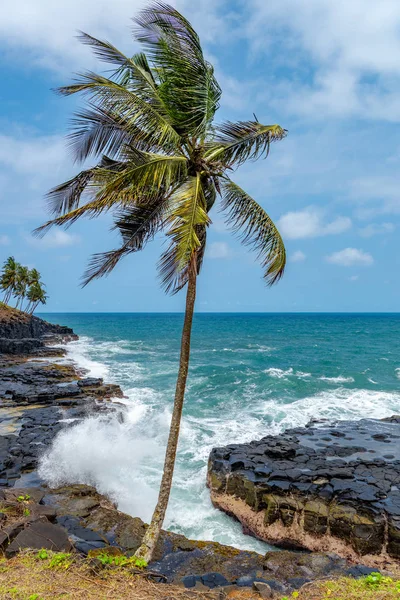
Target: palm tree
x,y
161,163
36,295
21,285
34,284
9,277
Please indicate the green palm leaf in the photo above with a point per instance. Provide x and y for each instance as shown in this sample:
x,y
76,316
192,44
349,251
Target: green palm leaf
x,y
144,173
186,224
237,142
256,229
137,226
187,84
153,126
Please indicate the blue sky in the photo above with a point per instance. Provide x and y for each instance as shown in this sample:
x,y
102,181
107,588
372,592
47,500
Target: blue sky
x,y
327,71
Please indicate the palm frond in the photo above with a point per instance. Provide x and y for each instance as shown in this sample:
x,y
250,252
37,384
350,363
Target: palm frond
x,y
107,52
235,143
66,197
90,209
152,125
187,220
256,229
188,86
137,226
144,173
173,279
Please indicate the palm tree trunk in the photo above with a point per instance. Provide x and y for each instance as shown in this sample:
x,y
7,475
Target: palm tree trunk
x,y
146,550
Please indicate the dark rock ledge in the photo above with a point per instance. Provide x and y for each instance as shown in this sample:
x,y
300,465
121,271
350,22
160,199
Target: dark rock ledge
x,y
331,488
39,397
24,334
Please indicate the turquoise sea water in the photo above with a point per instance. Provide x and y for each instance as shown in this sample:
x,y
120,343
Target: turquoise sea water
x,y
250,375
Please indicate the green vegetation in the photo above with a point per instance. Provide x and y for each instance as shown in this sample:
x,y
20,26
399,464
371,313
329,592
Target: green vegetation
x,y
372,587
121,561
20,283
160,164
46,575
24,498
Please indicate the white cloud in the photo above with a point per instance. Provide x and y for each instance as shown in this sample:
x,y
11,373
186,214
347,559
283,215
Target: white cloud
x,y
376,194
32,155
354,278
376,229
48,28
310,223
353,49
4,240
54,239
297,256
218,250
29,166
350,257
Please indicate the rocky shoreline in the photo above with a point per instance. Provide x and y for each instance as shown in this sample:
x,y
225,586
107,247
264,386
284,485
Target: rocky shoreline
x,y
38,397
325,487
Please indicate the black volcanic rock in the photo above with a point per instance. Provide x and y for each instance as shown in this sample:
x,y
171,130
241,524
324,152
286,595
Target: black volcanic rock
x,y
322,486
25,334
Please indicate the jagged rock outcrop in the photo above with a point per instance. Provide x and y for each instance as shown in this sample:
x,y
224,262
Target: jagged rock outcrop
x,y
24,334
322,487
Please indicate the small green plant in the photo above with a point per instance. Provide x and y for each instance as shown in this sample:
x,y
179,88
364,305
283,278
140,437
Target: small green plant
x,y
121,561
42,554
376,580
24,498
61,560
33,597
295,594
26,512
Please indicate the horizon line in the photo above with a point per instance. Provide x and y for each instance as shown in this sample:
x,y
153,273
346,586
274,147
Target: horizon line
x,y
287,312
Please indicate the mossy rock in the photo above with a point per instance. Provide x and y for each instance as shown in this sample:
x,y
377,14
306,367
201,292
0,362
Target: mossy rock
x,y
271,513
363,532
216,481
235,486
393,547
316,514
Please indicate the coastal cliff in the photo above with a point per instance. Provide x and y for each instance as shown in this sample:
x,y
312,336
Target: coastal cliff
x,y
21,333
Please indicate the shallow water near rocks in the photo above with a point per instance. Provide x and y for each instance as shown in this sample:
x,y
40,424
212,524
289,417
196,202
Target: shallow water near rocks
x,y
250,375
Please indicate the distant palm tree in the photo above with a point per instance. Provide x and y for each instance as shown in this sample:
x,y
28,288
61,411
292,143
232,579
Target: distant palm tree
x,y
21,285
9,277
162,163
36,295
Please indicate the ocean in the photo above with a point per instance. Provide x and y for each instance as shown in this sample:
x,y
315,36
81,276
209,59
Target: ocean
x,y
250,375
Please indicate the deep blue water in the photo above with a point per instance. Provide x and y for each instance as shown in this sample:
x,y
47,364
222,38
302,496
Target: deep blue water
x,y
250,375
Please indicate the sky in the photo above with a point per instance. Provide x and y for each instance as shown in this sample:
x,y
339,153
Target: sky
x,y
328,71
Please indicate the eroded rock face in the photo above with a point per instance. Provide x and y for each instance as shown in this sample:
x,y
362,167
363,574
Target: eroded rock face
x,y
325,487
24,334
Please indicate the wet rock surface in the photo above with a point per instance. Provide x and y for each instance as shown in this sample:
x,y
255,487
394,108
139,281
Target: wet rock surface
x,y
37,399
322,486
